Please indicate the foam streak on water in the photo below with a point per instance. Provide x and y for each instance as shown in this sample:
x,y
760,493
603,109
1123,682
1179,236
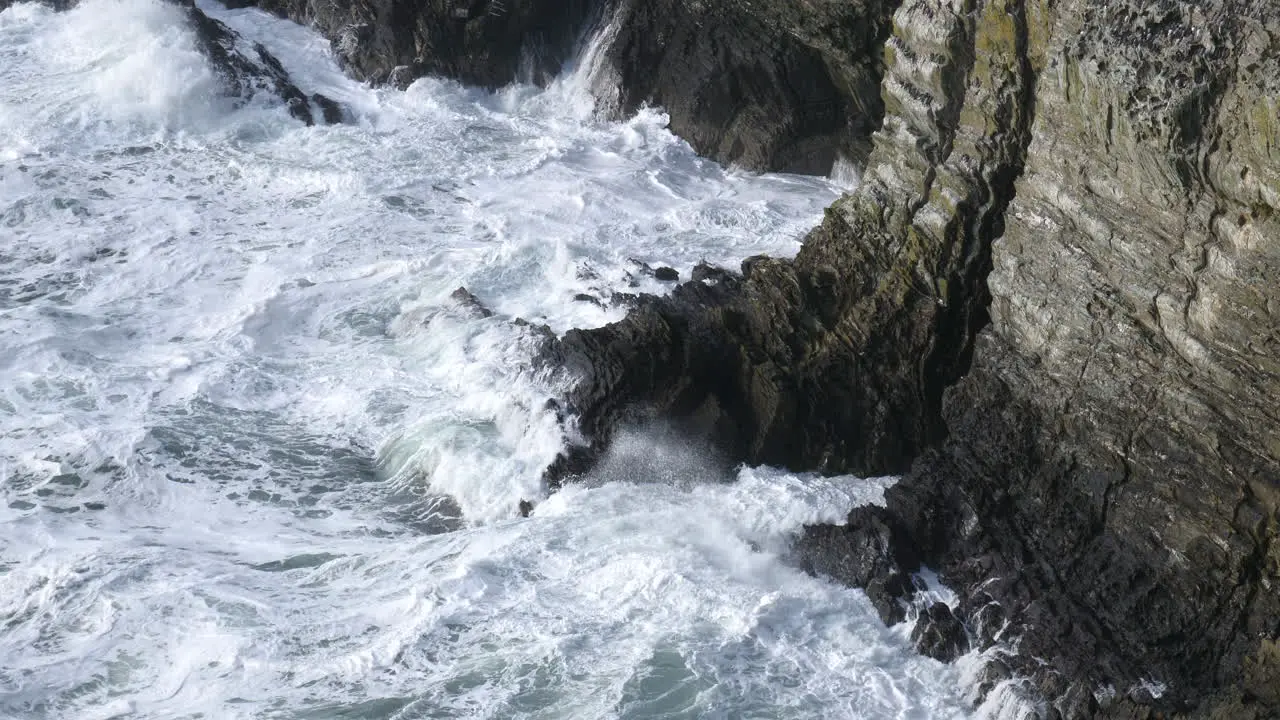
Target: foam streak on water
x,y
255,463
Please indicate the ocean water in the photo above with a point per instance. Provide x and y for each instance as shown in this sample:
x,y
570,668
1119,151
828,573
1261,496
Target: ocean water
x,y
256,463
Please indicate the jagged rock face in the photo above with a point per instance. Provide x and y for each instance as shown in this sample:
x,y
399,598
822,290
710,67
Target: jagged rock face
x,y
481,42
1068,219
775,86
939,634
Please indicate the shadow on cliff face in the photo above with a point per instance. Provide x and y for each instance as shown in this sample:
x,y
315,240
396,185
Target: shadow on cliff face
x,y
768,86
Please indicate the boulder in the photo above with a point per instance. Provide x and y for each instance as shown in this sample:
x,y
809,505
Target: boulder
x,y
939,634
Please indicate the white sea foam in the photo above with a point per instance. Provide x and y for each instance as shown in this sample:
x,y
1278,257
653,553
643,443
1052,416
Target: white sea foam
x,y
256,463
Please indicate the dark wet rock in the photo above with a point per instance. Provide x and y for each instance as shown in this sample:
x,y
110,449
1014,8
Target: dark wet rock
x,y
666,274
889,595
765,85
872,553
525,508
1077,700
331,112
993,673
589,299
871,546
480,42
939,634
304,561
56,5
988,620
244,73
661,273
768,86
705,272
623,300
470,303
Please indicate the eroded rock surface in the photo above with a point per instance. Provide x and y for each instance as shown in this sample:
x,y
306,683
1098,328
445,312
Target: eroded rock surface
x,y
837,361
1116,443
939,634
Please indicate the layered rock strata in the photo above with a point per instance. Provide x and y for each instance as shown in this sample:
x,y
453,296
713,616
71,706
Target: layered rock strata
x,y
1052,304
837,361
248,72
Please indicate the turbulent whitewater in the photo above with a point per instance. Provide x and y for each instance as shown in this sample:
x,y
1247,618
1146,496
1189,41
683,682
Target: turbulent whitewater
x,y
257,463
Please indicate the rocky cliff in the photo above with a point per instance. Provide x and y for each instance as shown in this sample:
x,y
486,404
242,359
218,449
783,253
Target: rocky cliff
x,y
1051,304
1047,304
1113,454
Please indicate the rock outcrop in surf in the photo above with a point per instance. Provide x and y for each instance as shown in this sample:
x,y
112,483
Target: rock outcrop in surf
x,y
768,86
1048,304
1051,305
245,71
248,72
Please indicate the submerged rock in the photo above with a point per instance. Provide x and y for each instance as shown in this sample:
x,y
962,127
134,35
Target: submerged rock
x,y
469,302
